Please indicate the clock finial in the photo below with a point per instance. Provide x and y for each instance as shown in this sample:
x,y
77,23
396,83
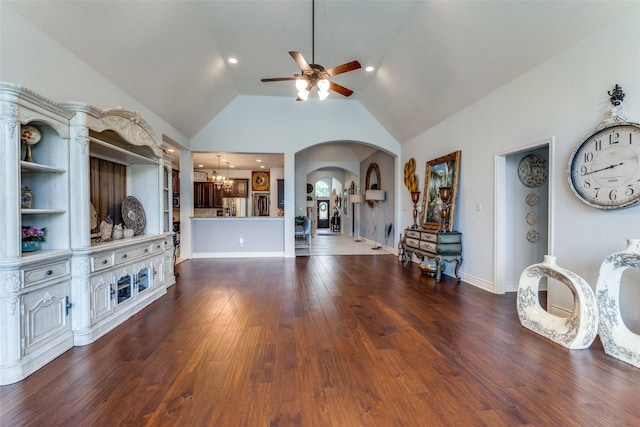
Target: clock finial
x,y
616,96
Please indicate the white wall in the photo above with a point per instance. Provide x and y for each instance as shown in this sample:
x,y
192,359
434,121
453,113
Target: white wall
x,y
30,58
565,98
262,124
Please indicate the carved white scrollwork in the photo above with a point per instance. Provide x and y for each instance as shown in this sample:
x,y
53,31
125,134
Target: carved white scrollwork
x,y
82,138
9,115
576,331
618,341
10,290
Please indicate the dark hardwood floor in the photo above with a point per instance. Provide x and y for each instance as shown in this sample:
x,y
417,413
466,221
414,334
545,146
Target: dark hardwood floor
x,y
324,341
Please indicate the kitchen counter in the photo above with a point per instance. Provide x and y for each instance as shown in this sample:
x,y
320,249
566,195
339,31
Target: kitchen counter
x,y
237,237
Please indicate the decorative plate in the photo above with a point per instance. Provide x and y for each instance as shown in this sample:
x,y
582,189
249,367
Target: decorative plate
x,y
532,170
133,215
259,181
310,188
532,199
532,236
532,218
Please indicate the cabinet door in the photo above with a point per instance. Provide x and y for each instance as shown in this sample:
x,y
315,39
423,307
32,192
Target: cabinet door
x,y
197,194
281,194
218,194
123,285
175,179
158,270
240,188
102,296
45,316
143,277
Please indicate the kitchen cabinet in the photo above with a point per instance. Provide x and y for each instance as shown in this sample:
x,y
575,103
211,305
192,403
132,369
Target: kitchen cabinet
x,y
207,196
281,194
240,188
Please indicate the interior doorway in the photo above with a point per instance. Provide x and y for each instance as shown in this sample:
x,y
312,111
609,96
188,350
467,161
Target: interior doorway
x,y
523,212
323,213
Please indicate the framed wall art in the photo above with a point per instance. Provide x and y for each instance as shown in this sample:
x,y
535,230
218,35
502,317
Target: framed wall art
x,y
441,192
199,176
259,181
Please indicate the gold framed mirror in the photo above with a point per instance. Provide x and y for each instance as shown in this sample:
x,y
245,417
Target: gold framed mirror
x,y
372,181
441,192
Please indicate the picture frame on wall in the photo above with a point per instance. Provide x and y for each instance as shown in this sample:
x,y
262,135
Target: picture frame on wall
x,y
259,181
199,176
441,192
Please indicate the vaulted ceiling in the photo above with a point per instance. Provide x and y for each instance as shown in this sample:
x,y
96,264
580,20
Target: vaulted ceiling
x,y
430,58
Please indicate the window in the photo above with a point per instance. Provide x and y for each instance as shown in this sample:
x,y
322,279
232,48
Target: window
x,y
323,190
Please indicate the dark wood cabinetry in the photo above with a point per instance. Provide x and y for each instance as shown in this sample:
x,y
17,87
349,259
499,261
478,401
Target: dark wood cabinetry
x,y
240,188
206,195
175,179
281,194
203,194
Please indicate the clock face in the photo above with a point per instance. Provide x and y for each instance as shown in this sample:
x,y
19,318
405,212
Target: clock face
x,y
604,171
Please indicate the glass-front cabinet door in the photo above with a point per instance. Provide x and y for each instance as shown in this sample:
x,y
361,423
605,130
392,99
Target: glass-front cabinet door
x,y
142,279
123,288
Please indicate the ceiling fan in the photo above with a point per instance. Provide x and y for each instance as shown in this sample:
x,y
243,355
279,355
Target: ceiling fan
x,y
316,75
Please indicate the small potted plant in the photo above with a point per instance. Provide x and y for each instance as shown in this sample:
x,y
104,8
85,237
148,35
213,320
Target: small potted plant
x,y
31,238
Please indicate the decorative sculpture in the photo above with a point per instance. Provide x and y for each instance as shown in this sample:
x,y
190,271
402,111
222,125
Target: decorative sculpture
x,y
574,332
618,341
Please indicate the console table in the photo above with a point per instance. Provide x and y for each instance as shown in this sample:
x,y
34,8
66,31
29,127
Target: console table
x,y
441,246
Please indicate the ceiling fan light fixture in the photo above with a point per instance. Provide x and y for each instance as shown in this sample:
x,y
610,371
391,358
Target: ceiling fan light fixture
x,y
323,95
323,85
301,84
303,94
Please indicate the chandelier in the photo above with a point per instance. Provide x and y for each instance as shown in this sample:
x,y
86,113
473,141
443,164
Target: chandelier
x,y
222,182
227,183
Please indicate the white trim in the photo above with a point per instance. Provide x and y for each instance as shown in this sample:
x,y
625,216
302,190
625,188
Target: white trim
x,y
500,207
275,254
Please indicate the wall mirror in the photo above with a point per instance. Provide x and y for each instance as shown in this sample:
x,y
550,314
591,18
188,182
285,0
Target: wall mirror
x,y
372,181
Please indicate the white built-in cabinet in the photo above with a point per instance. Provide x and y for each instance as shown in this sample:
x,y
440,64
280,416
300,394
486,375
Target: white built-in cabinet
x,y
75,289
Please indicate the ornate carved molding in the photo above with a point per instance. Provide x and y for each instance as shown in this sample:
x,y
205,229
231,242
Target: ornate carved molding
x,y
9,114
34,97
82,137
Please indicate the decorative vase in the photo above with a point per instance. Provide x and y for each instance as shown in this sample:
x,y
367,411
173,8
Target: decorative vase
x,y
27,198
618,341
30,246
415,197
29,136
576,331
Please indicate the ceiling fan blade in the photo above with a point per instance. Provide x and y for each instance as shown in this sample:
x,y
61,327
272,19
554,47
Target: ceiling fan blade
x,y
340,89
339,69
302,63
278,79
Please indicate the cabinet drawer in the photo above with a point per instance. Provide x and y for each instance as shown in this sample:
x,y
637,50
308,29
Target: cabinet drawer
x,y
128,254
100,262
158,246
450,249
413,234
430,237
412,243
450,238
45,272
429,247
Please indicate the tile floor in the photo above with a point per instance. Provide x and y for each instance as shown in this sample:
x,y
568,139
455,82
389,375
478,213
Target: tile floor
x,y
327,242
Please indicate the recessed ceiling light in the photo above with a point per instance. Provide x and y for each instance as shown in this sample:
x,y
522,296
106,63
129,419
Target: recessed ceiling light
x,y
200,166
258,160
261,166
369,69
171,150
233,61
231,166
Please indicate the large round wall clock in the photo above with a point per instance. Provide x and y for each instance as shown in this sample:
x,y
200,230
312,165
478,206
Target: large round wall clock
x,y
604,169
